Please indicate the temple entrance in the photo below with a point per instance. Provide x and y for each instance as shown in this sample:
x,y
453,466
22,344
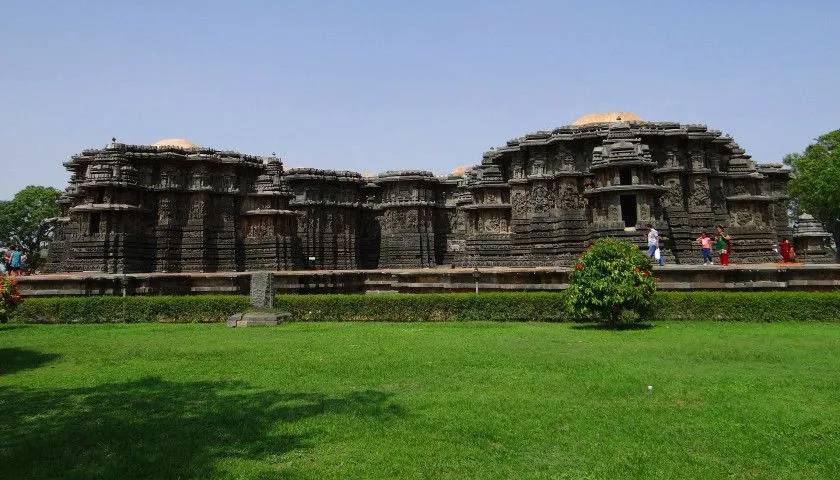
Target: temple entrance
x,y
624,176
629,212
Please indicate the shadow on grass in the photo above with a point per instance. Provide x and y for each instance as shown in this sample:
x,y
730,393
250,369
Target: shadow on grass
x,y
14,326
614,327
153,428
15,359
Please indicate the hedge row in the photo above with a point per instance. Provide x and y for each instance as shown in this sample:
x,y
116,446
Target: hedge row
x,y
108,309
544,306
770,306
513,306
424,307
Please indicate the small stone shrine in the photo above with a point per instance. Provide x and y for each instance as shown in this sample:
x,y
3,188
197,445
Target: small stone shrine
x,y
538,200
811,242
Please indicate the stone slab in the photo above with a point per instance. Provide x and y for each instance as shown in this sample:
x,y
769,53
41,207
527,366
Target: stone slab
x,y
262,290
257,319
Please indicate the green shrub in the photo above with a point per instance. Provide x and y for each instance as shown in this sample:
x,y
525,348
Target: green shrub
x,y
107,309
9,297
611,282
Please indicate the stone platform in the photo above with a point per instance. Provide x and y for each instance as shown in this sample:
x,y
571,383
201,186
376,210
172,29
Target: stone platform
x,y
670,277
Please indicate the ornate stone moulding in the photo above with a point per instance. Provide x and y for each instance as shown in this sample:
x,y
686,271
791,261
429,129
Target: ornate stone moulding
x,y
112,183
108,207
269,211
807,226
324,175
749,198
324,203
408,203
406,176
622,162
480,186
487,206
626,189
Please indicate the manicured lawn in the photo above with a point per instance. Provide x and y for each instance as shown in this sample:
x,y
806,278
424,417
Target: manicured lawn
x,y
448,400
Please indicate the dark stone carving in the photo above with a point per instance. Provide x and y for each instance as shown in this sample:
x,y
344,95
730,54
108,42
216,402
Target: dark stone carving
x,y
537,200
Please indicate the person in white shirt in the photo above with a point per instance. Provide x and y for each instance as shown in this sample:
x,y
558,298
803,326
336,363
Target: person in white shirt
x,y
653,240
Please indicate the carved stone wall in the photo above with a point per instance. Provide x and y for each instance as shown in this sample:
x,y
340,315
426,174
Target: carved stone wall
x,y
409,201
330,204
537,200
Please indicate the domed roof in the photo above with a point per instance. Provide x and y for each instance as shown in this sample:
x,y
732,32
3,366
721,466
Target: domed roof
x,y
606,117
175,142
460,170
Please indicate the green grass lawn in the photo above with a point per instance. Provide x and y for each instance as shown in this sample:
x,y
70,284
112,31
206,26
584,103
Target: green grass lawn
x,y
445,400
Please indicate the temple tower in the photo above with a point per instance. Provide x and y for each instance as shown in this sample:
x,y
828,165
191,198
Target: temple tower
x,y
329,203
269,227
109,214
408,219
750,223
623,193
449,243
488,218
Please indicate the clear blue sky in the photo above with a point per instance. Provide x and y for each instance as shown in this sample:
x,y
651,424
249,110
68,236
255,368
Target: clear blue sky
x,y
369,86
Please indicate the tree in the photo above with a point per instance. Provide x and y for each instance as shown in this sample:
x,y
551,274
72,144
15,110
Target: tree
x,y
815,184
22,219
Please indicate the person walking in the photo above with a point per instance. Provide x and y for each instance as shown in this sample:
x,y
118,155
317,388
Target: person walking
x,y
16,260
705,242
723,245
652,241
658,256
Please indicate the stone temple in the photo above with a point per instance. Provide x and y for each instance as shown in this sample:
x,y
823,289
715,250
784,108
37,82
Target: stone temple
x,y
538,200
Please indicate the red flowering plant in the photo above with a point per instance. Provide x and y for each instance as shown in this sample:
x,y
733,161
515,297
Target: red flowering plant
x,y
611,282
9,297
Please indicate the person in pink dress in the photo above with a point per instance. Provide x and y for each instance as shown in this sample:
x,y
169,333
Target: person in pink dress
x,y
705,242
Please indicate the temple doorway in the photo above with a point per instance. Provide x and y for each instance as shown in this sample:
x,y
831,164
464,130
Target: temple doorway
x,y
629,212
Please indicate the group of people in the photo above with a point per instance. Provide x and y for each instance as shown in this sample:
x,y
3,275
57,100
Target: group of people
x,y
13,260
722,244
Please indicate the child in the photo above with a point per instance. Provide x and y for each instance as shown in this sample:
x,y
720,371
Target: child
x,y
705,242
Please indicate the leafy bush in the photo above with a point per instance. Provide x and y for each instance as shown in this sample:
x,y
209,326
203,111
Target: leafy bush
x,y
107,309
9,297
611,282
